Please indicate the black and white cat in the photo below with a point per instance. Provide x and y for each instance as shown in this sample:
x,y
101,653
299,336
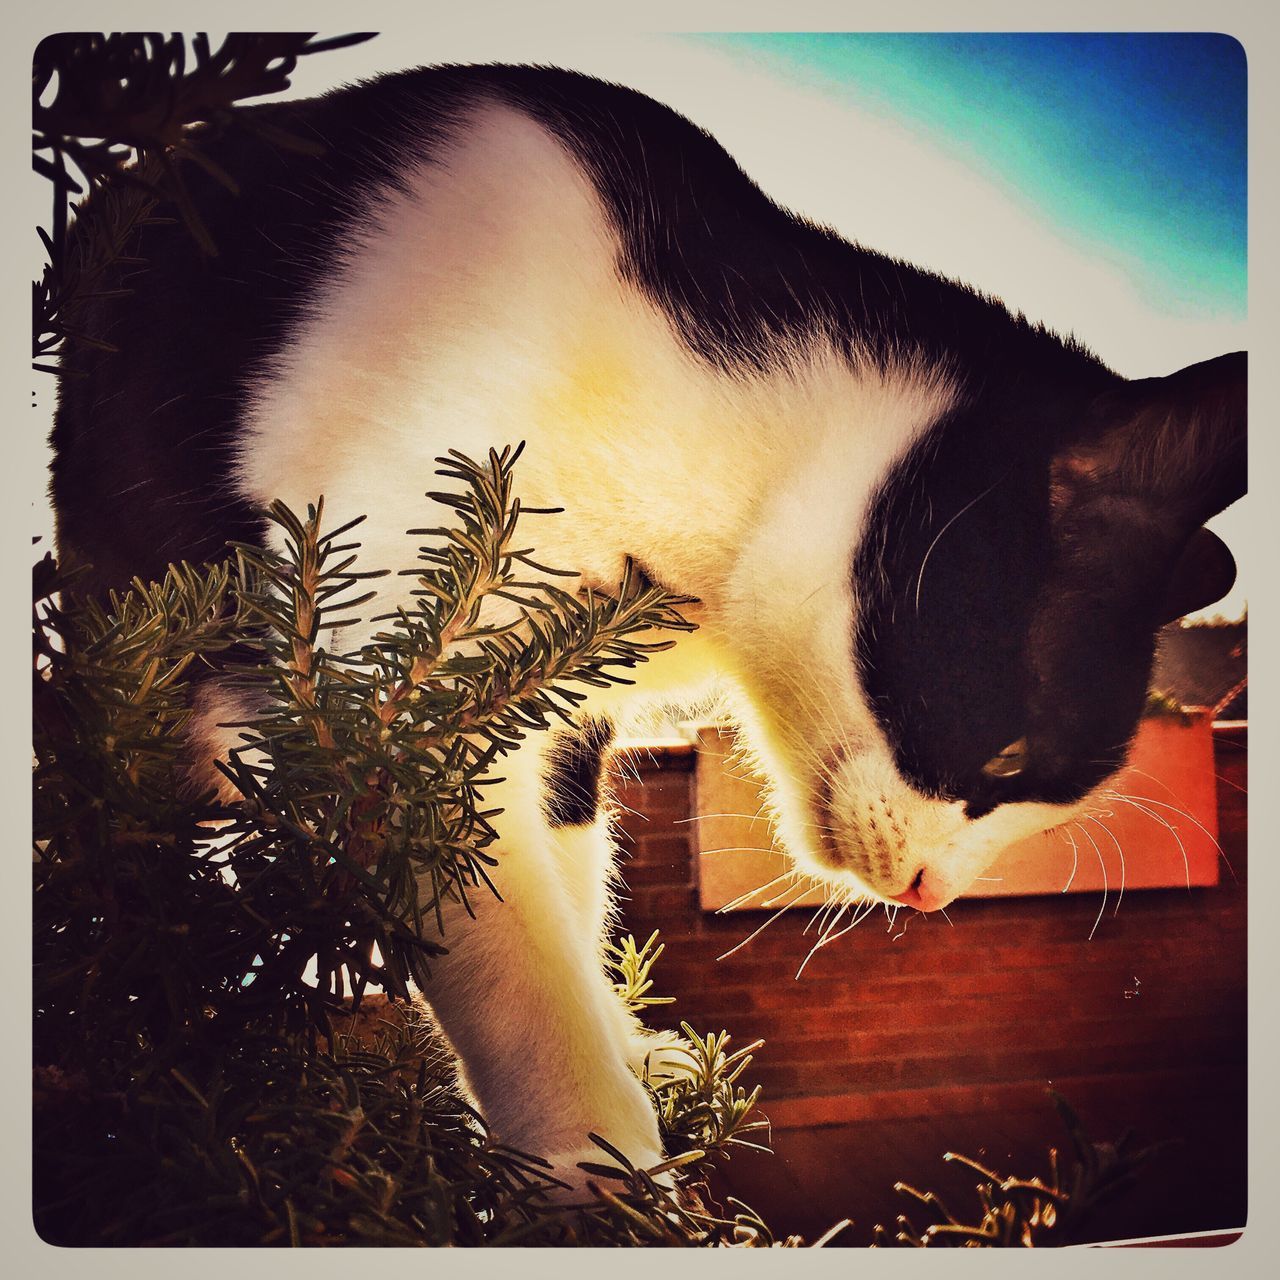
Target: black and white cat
x,y
932,543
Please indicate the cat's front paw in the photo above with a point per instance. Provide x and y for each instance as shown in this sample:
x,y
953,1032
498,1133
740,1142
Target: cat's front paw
x,y
618,1132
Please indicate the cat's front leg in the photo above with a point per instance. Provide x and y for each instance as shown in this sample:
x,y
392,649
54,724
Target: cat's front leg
x,y
526,1005
546,1049
578,807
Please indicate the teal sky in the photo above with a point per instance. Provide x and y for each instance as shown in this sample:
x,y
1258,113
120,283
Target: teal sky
x,y
1132,146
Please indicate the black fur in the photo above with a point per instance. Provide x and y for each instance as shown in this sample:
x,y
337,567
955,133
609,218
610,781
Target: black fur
x,y
955,572
1015,569
145,435
571,794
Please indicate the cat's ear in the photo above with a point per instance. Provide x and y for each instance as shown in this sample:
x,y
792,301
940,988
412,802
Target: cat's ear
x,y
1171,453
1202,574
1177,443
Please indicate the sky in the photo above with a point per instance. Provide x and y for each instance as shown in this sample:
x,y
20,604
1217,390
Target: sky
x,y
1131,144
1096,182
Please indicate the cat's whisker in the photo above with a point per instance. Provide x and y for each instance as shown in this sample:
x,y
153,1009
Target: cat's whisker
x,y
777,897
1182,813
973,502
831,934
946,917
1075,858
751,893
842,904
866,911
903,932
820,942
757,932
824,907
737,848
701,817
829,931
821,911
1120,853
1160,782
1103,865
1168,826
1219,778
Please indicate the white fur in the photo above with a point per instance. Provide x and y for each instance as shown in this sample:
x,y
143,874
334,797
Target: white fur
x,y
483,307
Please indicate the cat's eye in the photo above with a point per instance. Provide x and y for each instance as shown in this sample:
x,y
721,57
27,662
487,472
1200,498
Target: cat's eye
x,y
1008,763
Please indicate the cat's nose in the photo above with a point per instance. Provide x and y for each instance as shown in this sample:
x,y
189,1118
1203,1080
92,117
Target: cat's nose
x,y
921,894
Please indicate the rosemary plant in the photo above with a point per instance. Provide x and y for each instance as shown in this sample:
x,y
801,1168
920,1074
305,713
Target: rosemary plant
x,y
199,953
1024,1213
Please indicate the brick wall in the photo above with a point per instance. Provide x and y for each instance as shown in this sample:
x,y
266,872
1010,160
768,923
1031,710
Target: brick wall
x,y
897,1044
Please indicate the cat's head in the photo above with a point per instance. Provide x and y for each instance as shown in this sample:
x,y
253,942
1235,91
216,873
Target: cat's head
x,y
980,672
